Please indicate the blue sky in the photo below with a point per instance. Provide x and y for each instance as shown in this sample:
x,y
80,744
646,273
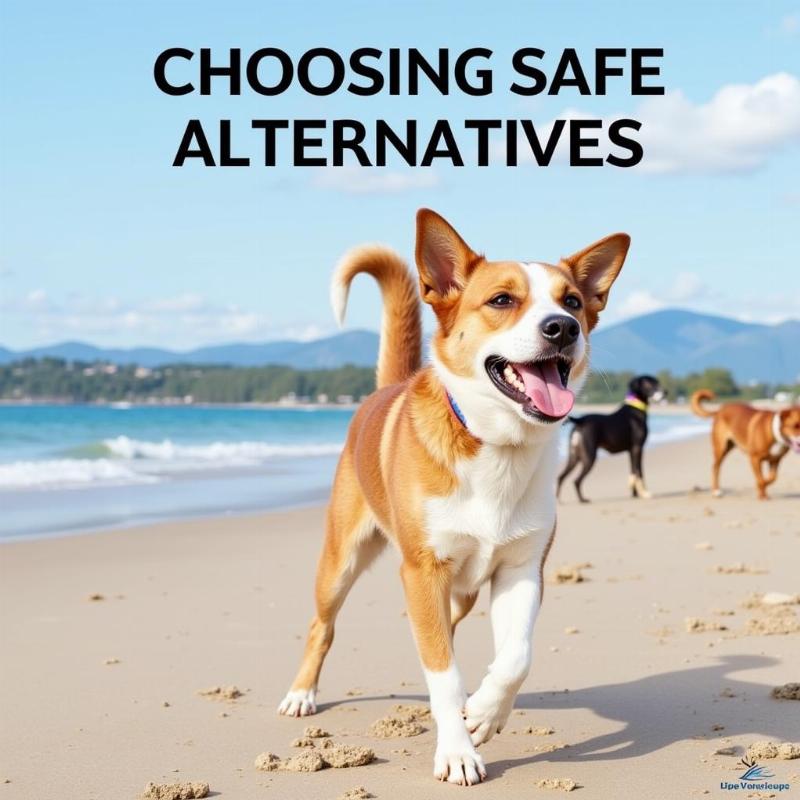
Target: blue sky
x,y
104,241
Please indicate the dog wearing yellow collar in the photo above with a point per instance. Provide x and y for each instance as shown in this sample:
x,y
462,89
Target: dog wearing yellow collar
x,y
623,431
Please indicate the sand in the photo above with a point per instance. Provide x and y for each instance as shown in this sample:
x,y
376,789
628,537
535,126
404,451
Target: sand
x,y
638,704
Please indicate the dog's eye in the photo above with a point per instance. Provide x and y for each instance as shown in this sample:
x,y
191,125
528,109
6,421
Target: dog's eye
x,y
572,301
502,300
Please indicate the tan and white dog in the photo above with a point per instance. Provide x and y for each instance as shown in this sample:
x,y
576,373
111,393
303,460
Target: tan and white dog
x,y
455,463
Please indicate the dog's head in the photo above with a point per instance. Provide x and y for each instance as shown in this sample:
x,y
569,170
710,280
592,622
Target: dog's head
x,y
512,340
646,388
790,427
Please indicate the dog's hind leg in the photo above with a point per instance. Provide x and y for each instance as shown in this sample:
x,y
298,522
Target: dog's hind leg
x,y
721,445
568,467
587,462
351,544
460,606
761,484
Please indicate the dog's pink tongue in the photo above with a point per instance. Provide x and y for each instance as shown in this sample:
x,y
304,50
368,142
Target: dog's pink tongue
x,y
543,386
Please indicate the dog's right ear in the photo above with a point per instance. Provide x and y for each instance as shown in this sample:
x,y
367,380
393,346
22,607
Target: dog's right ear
x,y
444,259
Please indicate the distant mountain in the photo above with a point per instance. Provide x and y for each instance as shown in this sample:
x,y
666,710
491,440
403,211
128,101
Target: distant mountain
x,y
677,340
685,341
350,347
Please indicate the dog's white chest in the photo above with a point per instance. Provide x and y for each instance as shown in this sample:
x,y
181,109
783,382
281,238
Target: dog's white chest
x,y
504,493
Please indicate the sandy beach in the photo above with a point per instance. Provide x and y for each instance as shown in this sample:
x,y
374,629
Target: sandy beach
x,y
100,696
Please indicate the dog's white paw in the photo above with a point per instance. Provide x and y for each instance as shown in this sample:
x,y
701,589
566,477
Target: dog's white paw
x,y
486,714
298,703
458,763
717,493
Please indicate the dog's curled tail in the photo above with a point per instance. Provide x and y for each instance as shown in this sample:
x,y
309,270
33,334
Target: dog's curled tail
x,y
401,328
698,398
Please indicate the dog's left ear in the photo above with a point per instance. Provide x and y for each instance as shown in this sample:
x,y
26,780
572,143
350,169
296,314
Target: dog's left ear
x,y
595,268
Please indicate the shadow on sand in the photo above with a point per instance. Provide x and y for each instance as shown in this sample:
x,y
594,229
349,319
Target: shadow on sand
x,y
659,710
655,712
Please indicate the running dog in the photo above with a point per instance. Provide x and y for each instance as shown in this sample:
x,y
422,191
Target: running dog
x,y
623,431
454,463
765,436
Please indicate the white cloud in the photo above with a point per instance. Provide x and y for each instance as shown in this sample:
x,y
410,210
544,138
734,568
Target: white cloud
x,y
185,318
688,290
735,131
374,180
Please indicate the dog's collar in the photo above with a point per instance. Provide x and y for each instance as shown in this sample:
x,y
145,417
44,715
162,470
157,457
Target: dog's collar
x,y
459,414
776,429
635,402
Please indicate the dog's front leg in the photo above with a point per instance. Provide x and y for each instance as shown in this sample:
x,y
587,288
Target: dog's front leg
x,y
516,597
427,586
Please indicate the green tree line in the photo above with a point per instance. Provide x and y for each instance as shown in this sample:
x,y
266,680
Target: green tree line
x,y
81,382
56,379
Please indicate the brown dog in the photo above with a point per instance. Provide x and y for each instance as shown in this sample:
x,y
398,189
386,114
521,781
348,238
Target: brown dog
x,y
766,436
455,462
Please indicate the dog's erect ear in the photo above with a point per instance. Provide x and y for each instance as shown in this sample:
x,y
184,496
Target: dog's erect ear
x,y
444,259
595,268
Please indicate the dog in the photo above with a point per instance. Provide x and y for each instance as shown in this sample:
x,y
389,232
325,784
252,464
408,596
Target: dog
x,y
454,463
765,436
623,431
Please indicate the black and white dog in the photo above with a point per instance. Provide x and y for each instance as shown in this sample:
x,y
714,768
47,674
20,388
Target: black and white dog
x,y
624,430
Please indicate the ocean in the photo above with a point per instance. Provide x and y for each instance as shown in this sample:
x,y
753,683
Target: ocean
x,y
71,468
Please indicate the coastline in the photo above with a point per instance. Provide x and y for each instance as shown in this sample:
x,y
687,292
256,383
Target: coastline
x,y
192,604
134,482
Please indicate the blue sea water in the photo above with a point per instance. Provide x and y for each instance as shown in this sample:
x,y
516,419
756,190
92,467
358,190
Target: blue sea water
x,y
67,468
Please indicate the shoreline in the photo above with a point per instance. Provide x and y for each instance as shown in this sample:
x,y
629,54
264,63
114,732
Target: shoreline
x,y
319,496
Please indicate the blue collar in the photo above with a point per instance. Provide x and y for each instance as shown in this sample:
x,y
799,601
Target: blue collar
x,y
456,410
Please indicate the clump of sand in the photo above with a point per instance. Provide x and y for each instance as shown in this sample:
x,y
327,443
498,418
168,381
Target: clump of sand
x,y
227,693
312,759
413,713
565,784
96,597
110,661
789,691
704,546
267,762
773,621
359,793
570,573
304,741
307,761
738,569
175,791
403,721
782,750
758,600
341,756
395,727
696,625
314,732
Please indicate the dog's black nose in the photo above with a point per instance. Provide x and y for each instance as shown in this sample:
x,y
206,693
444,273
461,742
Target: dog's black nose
x,y
560,330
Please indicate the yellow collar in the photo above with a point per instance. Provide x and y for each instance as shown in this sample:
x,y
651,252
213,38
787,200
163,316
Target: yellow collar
x,y
636,403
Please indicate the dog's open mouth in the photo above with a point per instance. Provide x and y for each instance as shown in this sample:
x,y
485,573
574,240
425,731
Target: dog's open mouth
x,y
540,387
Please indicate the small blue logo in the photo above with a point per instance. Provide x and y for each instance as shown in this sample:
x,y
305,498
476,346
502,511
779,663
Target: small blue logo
x,y
754,777
754,772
